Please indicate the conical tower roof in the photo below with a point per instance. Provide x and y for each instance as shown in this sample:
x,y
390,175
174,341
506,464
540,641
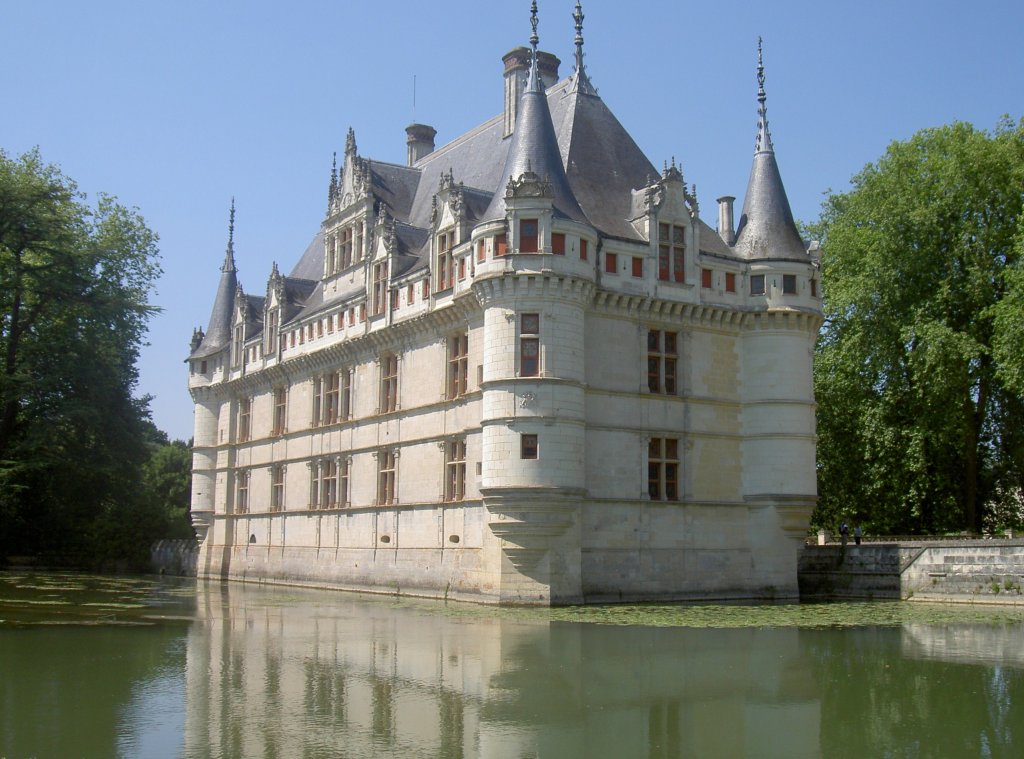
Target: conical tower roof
x,y
766,226
535,148
218,334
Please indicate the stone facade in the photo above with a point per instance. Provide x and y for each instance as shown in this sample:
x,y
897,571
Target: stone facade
x,y
520,369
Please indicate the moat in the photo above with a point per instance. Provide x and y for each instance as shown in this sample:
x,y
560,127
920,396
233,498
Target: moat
x,y
101,667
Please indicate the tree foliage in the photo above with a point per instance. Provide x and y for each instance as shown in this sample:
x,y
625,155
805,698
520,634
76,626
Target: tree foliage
x,y
919,370
75,281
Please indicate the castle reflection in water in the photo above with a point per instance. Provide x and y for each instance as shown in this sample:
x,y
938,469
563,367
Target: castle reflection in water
x,y
323,674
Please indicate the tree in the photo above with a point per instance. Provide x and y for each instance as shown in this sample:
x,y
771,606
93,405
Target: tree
x,y
919,417
74,286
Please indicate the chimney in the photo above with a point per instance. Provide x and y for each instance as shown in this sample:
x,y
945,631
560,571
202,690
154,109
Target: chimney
x,y
420,139
726,230
517,69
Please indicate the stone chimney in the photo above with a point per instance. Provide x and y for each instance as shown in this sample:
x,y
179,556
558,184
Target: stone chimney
x,y
517,69
420,139
726,228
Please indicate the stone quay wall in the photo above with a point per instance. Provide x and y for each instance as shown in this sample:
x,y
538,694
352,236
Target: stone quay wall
x,y
979,571
174,557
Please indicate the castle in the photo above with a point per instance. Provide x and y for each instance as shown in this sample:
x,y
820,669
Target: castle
x,y
519,369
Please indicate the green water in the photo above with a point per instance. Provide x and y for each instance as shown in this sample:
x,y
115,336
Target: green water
x,y
109,667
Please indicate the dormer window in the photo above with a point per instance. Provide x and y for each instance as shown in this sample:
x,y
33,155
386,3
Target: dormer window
x,y
528,236
671,253
380,282
237,352
445,265
345,248
272,326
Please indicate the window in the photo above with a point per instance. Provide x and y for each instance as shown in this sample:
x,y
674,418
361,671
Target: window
x,y
388,383
611,262
458,365
583,249
455,470
527,235
330,324
663,469
272,324
705,278
330,264
357,249
529,345
814,294
527,446
481,251
445,265
203,367
500,245
730,282
237,354
558,243
661,361
462,268
380,283
757,284
244,419
319,327
332,396
789,284
410,293
329,484
386,461
242,491
671,253
277,488
280,410
345,407
345,257
638,267
394,300
426,289
343,477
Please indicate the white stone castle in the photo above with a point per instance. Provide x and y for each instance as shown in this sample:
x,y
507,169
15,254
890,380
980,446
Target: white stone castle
x,y
520,369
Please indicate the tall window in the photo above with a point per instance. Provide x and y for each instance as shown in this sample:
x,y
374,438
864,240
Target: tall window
x,y
583,249
757,284
529,345
527,235
481,251
388,383
500,244
455,470
662,354
445,265
332,397
272,325
705,278
329,484
330,262
789,284
730,282
237,353
345,401
458,365
280,410
663,469
380,283
671,253
638,267
277,487
611,262
357,248
344,467
346,248
244,419
242,491
386,469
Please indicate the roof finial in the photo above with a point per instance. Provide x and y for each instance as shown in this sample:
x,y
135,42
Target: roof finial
x,y
764,137
350,142
534,39
578,18
229,255
332,188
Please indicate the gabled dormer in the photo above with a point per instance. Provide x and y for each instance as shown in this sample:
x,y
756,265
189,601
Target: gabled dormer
x,y
449,226
379,262
666,213
273,312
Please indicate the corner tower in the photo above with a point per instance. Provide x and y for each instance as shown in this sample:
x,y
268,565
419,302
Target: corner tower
x,y
778,336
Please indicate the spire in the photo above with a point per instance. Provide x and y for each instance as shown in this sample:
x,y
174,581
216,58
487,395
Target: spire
x,y
218,335
766,228
581,82
332,188
350,143
534,150
764,137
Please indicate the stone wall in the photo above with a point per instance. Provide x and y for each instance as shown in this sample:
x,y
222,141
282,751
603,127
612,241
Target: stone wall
x,y
990,571
174,557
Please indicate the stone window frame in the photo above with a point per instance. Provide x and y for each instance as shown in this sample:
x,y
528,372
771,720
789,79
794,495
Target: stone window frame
x,y
663,361
387,476
454,469
445,259
243,432
529,446
663,468
387,401
757,284
457,365
277,485
671,253
706,278
789,284
242,478
529,345
529,241
279,399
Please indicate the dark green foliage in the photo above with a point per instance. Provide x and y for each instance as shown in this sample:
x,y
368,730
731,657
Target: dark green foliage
x,y
74,286
919,417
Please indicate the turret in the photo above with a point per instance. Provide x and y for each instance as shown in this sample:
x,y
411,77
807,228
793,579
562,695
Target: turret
x,y
218,335
766,227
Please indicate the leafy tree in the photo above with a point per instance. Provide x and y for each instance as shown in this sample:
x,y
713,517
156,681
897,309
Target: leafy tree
x,y
74,286
918,371
167,478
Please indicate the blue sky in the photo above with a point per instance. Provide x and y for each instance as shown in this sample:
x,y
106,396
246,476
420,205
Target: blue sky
x,y
175,107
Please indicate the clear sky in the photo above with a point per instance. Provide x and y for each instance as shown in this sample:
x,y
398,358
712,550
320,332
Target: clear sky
x,y
175,107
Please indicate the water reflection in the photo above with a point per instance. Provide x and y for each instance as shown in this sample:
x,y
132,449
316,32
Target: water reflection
x,y
293,673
